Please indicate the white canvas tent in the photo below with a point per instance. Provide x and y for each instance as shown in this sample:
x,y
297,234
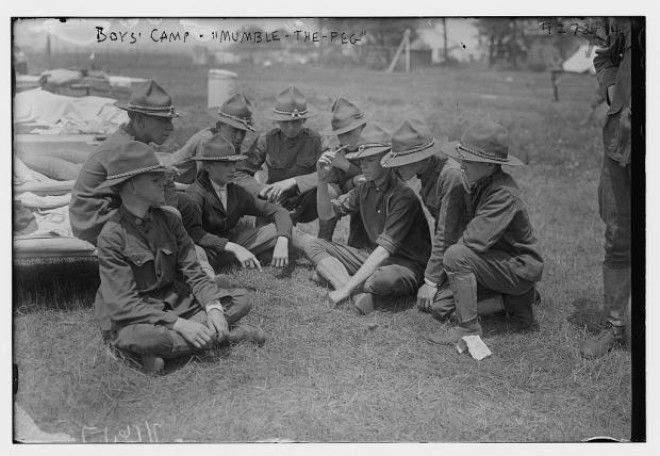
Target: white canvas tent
x,y
582,61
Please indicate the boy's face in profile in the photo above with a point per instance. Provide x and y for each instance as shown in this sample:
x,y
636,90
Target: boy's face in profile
x,y
291,128
221,172
149,187
350,138
371,167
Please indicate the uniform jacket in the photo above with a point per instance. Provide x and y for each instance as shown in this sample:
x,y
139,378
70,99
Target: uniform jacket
x,y
613,67
182,161
443,195
149,272
392,217
90,208
498,220
217,220
284,157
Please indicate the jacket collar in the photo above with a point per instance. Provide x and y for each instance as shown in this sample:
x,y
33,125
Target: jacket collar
x,y
204,182
133,219
433,170
389,181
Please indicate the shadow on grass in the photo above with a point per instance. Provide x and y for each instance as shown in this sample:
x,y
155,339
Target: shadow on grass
x,y
586,314
58,284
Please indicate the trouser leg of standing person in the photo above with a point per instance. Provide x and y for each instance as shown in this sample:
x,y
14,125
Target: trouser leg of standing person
x,y
614,208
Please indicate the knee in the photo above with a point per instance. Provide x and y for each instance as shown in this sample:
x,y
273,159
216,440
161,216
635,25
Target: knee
x,y
316,250
456,258
241,299
377,284
389,280
144,340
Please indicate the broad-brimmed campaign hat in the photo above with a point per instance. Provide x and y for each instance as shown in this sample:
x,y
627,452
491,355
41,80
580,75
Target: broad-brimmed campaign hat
x,y
411,142
150,99
237,112
217,148
484,141
132,159
345,117
290,105
373,140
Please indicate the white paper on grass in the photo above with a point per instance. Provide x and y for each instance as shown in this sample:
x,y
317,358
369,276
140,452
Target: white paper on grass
x,y
475,346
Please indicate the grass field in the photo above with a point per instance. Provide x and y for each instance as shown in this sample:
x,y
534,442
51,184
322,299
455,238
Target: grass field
x,y
328,375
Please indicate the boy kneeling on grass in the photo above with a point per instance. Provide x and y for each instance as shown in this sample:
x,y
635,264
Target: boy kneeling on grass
x,y
398,243
497,249
154,301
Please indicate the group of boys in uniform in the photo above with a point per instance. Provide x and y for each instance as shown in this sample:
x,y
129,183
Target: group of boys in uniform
x,y
159,250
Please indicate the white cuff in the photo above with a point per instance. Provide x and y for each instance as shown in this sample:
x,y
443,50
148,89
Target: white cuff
x,y
429,283
215,305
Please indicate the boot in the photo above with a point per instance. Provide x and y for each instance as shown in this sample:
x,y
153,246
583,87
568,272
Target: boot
x,y
520,311
616,288
363,303
603,343
464,289
332,270
327,228
247,333
153,365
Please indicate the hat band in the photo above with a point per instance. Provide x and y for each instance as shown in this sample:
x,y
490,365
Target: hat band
x,y
134,172
413,150
481,154
362,147
245,121
295,114
345,122
169,109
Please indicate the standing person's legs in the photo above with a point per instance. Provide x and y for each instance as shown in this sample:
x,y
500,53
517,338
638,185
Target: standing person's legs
x,y
614,208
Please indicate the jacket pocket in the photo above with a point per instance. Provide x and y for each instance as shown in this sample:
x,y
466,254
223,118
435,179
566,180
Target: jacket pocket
x,y
142,263
165,265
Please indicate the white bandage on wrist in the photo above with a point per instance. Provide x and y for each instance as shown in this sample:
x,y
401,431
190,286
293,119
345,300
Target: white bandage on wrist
x,y
215,305
429,283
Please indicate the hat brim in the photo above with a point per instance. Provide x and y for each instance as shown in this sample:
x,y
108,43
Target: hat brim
x,y
345,129
287,118
228,158
367,152
113,182
451,150
231,122
394,159
125,106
